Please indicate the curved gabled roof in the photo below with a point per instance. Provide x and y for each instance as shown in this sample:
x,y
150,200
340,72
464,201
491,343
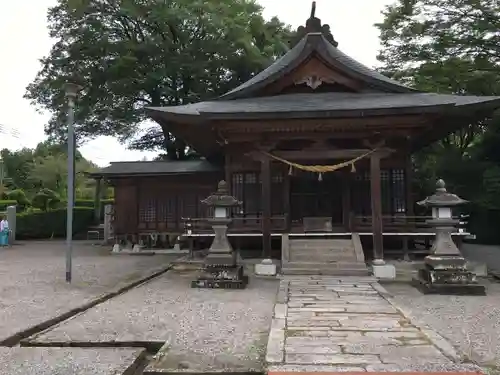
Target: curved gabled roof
x,y
317,44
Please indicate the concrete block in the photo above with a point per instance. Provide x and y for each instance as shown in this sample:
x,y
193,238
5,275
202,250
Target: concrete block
x,y
384,271
265,268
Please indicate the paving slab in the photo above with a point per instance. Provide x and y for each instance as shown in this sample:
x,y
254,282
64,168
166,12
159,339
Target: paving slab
x,y
69,361
203,329
469,323
33,287
334,325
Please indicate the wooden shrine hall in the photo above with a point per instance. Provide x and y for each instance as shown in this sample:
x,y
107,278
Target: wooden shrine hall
x,y
317,144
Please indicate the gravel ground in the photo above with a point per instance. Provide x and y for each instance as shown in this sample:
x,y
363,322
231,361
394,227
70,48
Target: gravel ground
x,y
66,361
33,287
485,254
204,329
470,323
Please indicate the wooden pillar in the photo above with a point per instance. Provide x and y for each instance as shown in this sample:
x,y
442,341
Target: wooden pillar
x,y
376,203
410,209
227,172
346,200
266,207
286,200
97,200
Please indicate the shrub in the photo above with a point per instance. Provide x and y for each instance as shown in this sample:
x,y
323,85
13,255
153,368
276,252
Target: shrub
x,y
52,223
46,199
90,203
84,203
19,196
6,203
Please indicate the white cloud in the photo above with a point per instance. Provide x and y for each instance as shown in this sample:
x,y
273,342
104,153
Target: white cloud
x,y
24,40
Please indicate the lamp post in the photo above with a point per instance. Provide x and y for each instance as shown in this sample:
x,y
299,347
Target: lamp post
x,y
71,90
220,267
445,270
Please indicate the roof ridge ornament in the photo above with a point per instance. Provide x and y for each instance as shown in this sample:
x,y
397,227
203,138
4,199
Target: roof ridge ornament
x,y
313,25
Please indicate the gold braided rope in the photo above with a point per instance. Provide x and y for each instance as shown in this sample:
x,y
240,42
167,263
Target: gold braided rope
x,y
321,168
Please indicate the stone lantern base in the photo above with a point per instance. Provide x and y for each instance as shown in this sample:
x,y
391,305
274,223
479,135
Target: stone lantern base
x,y
221,277
220,270
444,274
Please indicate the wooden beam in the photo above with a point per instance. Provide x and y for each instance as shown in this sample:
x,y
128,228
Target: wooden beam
x,y
266,207
315,124
233,138
376,203
312,154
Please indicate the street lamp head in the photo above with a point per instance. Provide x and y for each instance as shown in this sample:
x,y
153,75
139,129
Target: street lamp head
x,y
71,89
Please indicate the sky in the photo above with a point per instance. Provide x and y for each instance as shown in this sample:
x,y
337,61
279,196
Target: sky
x,y
24,41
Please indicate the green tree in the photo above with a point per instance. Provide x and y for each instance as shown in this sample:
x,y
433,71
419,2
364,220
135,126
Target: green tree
x,y
51,172
446,46
129,54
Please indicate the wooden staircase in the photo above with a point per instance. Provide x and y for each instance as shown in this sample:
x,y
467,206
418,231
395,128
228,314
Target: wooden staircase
x,y
323,256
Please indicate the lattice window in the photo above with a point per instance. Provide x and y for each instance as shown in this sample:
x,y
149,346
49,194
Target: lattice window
x,y
398,191
386,190
147,211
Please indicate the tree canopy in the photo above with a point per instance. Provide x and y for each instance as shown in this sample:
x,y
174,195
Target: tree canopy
x,y
128,54
450,46
44,168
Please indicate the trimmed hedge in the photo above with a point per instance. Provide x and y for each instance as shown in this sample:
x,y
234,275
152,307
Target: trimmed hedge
x,y
52,224
6,203
90,203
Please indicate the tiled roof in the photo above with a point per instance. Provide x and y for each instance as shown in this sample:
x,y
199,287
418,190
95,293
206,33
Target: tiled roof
x,y
293,105
316,43
143,168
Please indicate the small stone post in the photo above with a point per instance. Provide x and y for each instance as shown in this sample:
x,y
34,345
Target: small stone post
x,y
108,217
11,218
445,270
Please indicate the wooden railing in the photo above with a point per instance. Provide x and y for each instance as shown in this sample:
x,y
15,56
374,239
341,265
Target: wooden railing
x,y
249,224
400,223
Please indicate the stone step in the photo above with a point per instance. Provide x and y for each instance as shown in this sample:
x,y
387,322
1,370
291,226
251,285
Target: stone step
x,y
321,251
338,264
321,243
327,258
358,271
320,248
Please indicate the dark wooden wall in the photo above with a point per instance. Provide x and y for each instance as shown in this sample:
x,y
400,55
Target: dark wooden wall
x,y
158,204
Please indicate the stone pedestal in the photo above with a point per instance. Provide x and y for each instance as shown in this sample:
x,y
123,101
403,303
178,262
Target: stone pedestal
x,y
445,270
220,269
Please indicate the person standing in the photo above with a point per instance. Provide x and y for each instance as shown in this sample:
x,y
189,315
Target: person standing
x,y
4,232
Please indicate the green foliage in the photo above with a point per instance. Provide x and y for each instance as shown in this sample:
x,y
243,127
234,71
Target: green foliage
x,y
51,224
452,46
131,54
19,196
46,199
444,46
44,167
6,203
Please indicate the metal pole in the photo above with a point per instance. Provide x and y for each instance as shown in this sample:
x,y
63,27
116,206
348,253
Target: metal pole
x,y
71,91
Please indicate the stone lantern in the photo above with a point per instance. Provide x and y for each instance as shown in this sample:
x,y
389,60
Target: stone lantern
x,y
445,270
220,268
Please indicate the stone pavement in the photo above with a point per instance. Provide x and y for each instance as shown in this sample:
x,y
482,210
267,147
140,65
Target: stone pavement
x,y
324,324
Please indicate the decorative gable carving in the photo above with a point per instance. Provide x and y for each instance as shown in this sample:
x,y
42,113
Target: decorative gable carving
x,y
314,74
314,81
